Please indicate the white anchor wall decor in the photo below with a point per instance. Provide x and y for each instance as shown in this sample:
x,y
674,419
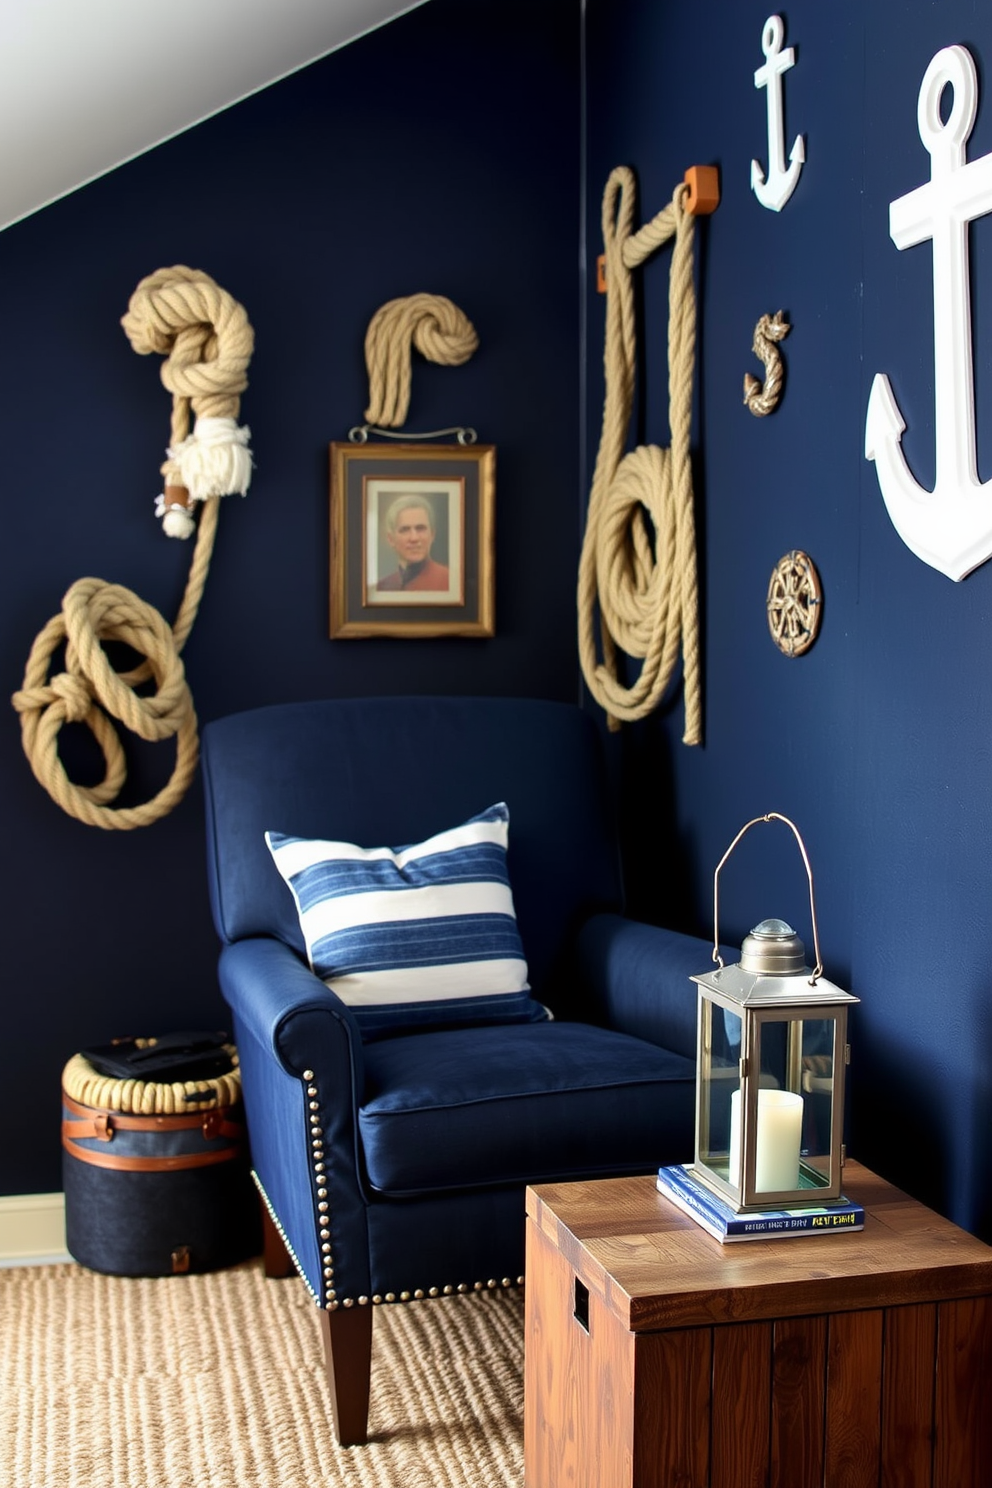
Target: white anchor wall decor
x,y
774,190
949,527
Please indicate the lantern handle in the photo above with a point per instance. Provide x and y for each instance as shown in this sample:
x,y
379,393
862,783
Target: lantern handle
x,y
769,816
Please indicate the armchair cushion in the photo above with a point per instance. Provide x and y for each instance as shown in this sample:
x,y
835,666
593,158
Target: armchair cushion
x,y
524,1104
413,936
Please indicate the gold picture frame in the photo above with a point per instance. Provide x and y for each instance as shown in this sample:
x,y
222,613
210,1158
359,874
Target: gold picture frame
x,y
412,540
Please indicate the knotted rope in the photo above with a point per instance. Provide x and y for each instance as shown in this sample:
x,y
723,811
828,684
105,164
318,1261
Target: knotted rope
x,y
645,589
207,339
436,327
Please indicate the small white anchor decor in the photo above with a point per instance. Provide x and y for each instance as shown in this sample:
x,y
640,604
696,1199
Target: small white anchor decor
x,y
774,190
949,527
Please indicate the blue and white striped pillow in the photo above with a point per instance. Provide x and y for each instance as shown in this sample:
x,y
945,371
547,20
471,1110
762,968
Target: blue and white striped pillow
x,y
415,935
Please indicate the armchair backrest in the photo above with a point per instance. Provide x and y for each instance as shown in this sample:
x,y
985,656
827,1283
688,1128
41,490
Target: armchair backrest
x,y
385,772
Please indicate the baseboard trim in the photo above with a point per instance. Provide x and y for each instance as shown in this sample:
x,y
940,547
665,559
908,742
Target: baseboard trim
x,y
32,1230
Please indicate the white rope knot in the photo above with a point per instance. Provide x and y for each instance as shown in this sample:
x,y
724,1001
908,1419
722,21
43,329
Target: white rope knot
x,y
176,519
214,460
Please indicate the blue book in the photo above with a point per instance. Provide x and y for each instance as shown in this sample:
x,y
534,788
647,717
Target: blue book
x,y
725,1224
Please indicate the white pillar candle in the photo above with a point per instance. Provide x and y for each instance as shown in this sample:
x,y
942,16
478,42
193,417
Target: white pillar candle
x,y
780,1129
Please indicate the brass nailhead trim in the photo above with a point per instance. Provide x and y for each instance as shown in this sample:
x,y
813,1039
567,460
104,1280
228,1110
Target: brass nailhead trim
x,y
283,1237
322,1191
462,1289
331,1298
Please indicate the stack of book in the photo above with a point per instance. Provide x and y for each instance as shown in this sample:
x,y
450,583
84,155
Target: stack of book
x,y
725,1224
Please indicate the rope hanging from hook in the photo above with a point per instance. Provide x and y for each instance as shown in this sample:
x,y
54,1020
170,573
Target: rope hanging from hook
x,y
435,326
207,340
643,583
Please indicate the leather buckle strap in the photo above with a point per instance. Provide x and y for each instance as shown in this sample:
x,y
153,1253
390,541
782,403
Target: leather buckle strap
x,y
97,1125
102,1124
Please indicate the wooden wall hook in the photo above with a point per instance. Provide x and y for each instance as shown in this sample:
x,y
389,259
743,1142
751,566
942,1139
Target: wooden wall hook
x,y
703,182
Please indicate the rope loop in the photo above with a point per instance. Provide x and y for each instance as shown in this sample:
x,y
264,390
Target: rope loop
x,y
431,323
637,568
91,692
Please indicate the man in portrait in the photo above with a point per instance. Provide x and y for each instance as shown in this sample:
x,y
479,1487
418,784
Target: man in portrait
x,y
410,530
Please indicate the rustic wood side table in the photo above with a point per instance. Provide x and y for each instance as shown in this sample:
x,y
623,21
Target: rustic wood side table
x,y
657,1357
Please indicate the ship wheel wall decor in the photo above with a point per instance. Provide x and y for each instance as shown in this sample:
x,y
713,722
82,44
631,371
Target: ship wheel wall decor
x,y
795,603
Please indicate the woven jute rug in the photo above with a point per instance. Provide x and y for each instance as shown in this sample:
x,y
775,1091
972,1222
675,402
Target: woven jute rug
x,y
217,1381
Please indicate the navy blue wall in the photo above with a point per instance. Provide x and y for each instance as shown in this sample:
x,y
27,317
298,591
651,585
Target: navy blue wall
x,y
877,742
440,154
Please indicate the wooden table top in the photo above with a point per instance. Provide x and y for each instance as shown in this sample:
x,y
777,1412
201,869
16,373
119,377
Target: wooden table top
x,y
656,1268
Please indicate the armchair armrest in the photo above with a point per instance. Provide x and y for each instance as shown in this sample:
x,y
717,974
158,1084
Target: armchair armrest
x,y
636,979
271,990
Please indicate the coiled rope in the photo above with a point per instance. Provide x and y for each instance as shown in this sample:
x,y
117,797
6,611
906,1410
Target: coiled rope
x,y
207,340
81,1082
435,326
643,586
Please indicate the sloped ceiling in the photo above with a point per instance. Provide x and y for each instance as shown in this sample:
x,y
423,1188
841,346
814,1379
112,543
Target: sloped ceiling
x,y
88,84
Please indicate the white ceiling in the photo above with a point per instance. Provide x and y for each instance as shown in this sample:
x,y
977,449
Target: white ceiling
x,y
88,84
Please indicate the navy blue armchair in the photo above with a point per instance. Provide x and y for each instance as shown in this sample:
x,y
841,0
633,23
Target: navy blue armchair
x,y
393,1167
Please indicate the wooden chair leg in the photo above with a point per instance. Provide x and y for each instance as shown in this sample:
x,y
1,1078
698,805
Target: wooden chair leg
x,y
348,1354
276,1258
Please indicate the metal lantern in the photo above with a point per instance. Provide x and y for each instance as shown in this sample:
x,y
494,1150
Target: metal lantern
x,y
772,1052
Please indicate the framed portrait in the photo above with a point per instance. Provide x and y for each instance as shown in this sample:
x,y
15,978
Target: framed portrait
x,y
412,539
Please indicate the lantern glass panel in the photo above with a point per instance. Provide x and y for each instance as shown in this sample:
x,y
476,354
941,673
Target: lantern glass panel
x,y
819,1057
796,1057
720,1078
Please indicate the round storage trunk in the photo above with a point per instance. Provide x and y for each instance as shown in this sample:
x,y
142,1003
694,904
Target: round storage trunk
x,y
156,1177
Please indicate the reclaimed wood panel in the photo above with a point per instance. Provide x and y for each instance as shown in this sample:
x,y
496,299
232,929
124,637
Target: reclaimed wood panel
x,y
908,1376
963,1445
799,1350
853,1412
578,1385
741,1411
672,1374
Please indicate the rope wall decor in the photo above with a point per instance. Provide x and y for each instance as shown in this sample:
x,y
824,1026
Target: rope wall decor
x,y
439,331
207,341
644,585
795,603
762,398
